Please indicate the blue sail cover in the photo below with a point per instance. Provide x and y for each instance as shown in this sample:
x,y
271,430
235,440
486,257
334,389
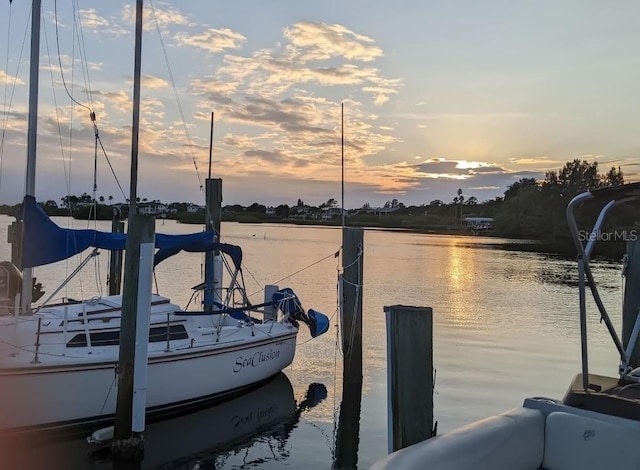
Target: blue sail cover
x,y
45,242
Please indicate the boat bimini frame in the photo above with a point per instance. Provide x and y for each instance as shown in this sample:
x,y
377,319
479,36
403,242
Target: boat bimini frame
x,y
585,243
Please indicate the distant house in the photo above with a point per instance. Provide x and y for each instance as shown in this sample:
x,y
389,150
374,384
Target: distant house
x,y
299,212
479,223
192,208
270,211
152,208
381,210
331,213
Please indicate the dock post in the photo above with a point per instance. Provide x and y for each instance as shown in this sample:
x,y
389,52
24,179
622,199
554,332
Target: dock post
x,y
134,336
213,217
409,375
348,431
351,302
115,257
631,304
270,311
14,238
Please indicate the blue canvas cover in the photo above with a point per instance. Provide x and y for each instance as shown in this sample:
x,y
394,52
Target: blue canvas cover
x,y
45,242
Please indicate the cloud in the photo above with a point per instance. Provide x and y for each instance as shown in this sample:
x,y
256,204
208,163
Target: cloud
x,y
321,41
118,99
535,161
290,114
217,91
211,40
95,23
239,141
162,16
91,20
265,155
9,80
440,168
279,106
149,82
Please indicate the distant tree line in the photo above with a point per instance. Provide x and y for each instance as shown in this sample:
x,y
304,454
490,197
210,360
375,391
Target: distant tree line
x,y
528,209
537,209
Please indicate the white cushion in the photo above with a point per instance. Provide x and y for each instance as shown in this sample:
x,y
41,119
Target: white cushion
x,y
580,443
511,441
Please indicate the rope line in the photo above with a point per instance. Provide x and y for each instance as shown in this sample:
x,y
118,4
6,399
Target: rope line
x,y
13,88
175,92
6,87
64,82
334,255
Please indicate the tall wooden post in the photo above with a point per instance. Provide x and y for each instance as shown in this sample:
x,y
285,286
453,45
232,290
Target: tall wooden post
x,y
14,237
631,304
348,432
213,217
351,307
115,259
135,301
409,375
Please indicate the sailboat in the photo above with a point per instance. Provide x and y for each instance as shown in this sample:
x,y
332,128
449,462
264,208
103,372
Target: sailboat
x,y
59,362
597,423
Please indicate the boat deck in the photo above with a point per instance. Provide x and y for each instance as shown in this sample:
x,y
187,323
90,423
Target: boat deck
x,y
606,395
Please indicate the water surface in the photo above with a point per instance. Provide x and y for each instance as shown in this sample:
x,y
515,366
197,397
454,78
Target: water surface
x,y
505,328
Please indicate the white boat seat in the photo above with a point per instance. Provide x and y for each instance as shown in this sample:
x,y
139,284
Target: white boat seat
x,y
513,440
574,442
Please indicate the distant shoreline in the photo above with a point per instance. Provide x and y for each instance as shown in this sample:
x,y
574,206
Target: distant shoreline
x,y
563,247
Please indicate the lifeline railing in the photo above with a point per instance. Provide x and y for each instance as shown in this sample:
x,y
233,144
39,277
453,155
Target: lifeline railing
x,y
585,243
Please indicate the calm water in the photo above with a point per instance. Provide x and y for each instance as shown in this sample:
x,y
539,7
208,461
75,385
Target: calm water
x,y
506,327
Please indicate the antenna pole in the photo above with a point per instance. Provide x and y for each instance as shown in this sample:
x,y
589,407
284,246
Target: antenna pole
x,y
342,151
211,145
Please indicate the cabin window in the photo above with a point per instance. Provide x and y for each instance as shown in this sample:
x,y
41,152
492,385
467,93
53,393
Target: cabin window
x,y
111,338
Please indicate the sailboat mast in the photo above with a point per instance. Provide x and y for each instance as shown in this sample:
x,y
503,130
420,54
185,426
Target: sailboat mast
x,y
32,134
135,126
211,145
34,66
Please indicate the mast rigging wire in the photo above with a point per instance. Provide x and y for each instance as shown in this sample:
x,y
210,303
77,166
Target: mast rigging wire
x,y
175,92
82,49
7,108
6,86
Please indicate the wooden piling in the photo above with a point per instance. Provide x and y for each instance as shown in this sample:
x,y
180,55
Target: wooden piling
x,y
213,217
631,304
409,375
270,311
141,230
14,237
115,259
351,306
348,430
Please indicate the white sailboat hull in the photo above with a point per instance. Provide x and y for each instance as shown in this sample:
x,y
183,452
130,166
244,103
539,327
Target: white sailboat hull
x,y
72,381
62,396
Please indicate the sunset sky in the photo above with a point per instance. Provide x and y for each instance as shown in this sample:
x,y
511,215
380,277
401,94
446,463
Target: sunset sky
x,y
438,95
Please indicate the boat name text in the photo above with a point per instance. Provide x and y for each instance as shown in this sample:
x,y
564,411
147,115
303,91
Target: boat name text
x,y
255,360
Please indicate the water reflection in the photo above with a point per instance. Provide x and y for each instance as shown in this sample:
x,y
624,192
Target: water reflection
x,y
253,429
510,329
461,274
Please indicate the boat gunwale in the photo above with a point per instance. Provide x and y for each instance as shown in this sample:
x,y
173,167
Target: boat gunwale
x,y
158,358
